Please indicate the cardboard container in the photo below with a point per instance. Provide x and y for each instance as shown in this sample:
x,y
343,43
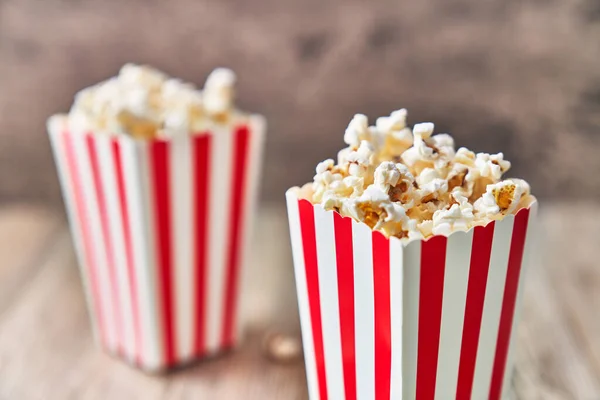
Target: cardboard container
x,y
431,319
161,232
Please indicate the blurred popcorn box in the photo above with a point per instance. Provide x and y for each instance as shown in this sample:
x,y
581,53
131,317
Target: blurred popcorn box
x,y
430,319
161,231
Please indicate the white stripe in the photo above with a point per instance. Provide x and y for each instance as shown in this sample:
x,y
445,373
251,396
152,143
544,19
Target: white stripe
x,y
184,278
64,176
116,236
325,234
98,253
456,280
492,306
257,126
412,279
396,315
302,293
529,245
219,201
136,171
364,310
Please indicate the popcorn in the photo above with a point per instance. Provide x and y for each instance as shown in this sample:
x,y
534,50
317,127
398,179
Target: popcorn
x,y
488,169
431,186
414,184
145,103
357,131
387,175
324,178
219,93
465,157
501,198
428,151
459,217
376,210
457,178
491,166
397,181
394,134
359,162
424,211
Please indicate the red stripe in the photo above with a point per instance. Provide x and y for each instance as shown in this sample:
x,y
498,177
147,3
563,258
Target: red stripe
x,y
383,319
513,273
237,203
118,165
345,278
431,291
309,243
478,274
160,171
104,225
82,212
201,165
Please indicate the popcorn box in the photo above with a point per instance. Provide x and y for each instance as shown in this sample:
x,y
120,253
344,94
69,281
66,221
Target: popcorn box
x,y
161,232
429,319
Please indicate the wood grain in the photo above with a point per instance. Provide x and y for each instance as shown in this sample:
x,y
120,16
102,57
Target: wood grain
x,y
46,348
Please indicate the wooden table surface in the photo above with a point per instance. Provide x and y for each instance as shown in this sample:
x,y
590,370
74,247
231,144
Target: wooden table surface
x,y
47,352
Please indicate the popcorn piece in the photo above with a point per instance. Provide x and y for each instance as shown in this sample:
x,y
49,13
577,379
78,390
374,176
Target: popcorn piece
x,y
459,217
394,134
333,197
431,186
457,178
185,111
219,93
387,175
397,181
423,130
426,228
465,157
423,211
443,145
501,198
453,219
357,131
143,77
324,178
375,209
359,161
428,151
491,166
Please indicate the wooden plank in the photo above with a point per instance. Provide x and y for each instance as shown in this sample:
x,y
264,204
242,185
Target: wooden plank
x,y
24,235
553,360
575,273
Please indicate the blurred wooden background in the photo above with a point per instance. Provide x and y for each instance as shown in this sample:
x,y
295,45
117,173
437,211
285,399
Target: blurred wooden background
x,y
522,76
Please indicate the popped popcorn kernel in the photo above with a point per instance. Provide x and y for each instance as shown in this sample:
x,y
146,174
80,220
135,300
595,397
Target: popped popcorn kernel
x,y
357,131
423,130
501,198
429,151
394,134
397,181
360,161
219,93
412,184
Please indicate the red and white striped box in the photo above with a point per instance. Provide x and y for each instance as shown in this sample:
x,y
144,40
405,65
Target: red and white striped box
x,y
161,231
431,319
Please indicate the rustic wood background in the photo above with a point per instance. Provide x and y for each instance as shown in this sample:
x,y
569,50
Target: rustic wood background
x,y
521,76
